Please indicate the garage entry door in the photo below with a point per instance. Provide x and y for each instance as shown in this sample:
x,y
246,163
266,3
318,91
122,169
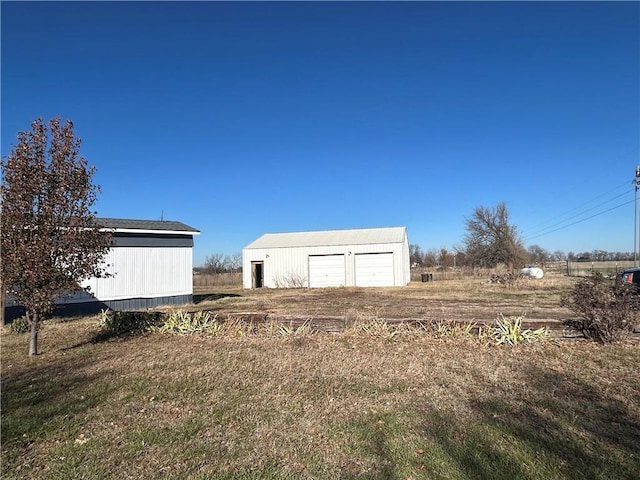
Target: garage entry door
x,y
374,270
326,271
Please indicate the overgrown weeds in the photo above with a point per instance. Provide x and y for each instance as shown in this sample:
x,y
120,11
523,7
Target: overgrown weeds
x,y
202,322
183,323
506,331
372,327
293,330
448,329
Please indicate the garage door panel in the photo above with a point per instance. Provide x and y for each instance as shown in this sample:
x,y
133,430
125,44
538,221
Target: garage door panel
x,y
326,271
374,270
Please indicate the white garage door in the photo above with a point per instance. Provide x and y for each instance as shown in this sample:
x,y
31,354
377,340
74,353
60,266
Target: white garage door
x,y
374,270
326,271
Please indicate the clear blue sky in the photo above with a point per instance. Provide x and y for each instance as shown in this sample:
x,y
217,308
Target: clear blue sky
x,y
246,118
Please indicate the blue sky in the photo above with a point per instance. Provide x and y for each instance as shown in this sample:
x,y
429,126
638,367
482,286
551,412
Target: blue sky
x,y
244,118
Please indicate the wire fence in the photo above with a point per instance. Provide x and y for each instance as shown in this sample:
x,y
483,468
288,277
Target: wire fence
x,y
582,269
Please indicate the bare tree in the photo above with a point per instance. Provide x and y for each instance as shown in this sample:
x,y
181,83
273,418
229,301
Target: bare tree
x,y
214,263
415,255
430,257
599,255
445,258
537,254
49,240
235,262
491,240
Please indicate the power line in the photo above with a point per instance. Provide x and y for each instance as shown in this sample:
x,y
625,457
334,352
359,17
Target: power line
x,y
581,220
541,227
542,231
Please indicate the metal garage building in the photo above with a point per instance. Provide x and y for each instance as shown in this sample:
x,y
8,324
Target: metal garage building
x,y
369,257
150,262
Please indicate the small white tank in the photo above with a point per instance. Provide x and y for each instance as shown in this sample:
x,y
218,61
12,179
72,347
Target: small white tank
x,y
533,272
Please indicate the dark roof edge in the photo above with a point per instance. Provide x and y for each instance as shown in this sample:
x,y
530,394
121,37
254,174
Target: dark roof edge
x,y
133,224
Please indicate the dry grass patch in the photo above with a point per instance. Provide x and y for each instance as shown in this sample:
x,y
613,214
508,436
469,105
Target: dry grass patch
x,y
466,300
316,406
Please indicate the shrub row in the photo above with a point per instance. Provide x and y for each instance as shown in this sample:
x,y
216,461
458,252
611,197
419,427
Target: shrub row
x,y
506,331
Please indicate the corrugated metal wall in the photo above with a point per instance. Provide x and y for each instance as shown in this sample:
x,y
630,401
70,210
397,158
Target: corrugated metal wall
x,y
144,272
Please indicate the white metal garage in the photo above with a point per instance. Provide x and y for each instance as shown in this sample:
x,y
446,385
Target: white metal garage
x,y
369,257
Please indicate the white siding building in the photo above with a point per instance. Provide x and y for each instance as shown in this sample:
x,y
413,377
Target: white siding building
x,y
369,257
150,263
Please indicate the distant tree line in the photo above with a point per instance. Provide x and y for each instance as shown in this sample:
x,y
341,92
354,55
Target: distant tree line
x,y
491,240
446,258
220,263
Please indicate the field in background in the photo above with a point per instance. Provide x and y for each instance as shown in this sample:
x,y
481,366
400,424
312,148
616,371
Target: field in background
x,y
573,269
216,279
577,269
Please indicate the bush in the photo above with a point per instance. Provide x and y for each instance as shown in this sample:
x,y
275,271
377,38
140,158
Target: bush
x,y
608,309
19,325
202,322
509,331
186,323
119,323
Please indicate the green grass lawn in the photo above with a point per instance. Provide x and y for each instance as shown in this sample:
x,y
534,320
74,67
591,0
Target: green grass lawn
x,y
316,406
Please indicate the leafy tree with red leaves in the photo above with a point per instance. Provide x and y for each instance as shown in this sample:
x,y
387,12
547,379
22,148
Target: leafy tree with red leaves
x,y
49,239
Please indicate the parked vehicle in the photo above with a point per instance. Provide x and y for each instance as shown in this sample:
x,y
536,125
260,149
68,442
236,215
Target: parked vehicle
x,y
630,275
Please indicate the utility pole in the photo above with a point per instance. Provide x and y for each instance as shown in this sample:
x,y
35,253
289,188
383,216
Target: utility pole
x,y
3,303
636,183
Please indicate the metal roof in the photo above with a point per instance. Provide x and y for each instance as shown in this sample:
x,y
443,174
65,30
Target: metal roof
x,y
145,225
359,236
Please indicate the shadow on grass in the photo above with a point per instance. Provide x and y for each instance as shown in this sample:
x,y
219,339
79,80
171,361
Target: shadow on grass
x,y
122,324
211,297
46,397
372,435
565,428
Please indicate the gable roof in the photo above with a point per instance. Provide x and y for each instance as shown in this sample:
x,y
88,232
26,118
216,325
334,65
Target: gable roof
x,y
359,236
130,225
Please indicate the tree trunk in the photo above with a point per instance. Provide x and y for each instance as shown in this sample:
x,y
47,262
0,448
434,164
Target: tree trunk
x,y
2,305
2,299
33,340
